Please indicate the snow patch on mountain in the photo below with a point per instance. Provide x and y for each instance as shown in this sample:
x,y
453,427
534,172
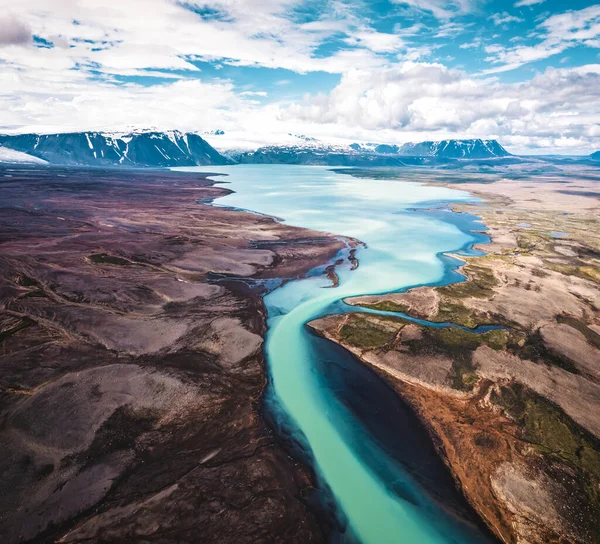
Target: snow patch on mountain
x,y
18,157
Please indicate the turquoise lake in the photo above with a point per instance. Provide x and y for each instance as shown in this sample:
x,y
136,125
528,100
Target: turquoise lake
x,y
378,496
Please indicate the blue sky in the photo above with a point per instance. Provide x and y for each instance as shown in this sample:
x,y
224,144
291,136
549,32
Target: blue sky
x,y
525,72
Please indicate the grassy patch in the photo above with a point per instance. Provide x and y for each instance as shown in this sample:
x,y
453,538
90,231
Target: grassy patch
x,y
528,241
105,258
368,331
590,272
459,345
554,435
536,350
480,284
463,376
388,306
591,336
587,272
452,311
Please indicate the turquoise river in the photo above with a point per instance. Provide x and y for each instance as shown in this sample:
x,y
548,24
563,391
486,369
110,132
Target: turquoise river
x,y
377,499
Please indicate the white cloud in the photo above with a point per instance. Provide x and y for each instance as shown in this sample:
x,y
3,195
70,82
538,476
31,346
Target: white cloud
x,y
558,108
522,3
504,18
475,44
75,103
379,42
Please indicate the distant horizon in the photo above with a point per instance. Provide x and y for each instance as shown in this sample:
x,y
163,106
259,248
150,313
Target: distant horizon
x,y
214,140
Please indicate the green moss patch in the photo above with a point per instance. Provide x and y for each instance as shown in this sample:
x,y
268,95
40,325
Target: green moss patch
x,y
458,345
480,284
388,306
528,241
463,376
588,272
370,331
452,311
536,350
554,435
453,339
590,335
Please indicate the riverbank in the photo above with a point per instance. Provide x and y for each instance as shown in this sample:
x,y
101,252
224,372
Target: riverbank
x,y
514,412
132,325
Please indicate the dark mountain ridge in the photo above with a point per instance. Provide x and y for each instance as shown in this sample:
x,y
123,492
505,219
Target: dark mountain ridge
x,y
174,148
318,153
139,149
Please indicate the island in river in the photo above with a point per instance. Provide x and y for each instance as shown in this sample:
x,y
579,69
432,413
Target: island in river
x,y
515,409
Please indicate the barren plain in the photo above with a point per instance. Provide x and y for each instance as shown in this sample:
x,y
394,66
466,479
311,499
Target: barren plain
x,y
131,325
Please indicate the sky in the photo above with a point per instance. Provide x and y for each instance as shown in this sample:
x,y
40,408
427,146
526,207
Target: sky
x,y
524,72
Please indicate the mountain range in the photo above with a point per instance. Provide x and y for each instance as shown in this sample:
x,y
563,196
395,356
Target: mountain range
x,y
311,151
174,148
138,149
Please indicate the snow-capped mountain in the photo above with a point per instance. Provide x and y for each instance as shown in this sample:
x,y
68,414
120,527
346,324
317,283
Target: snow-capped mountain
x,y
139,149
11,156
311,151
152,148
456,149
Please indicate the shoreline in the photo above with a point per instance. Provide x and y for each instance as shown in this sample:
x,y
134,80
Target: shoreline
x,y
189,346
511,470
415,417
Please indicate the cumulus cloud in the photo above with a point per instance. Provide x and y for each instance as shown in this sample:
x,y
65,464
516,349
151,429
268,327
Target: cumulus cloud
x,y
13,31
559,108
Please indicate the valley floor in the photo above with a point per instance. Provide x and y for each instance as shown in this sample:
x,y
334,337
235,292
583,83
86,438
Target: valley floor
x,y
131,366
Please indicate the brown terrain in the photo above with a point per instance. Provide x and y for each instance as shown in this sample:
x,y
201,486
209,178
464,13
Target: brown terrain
x,y
131,328
514,411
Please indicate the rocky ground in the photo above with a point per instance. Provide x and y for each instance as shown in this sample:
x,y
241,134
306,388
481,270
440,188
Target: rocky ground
x,y
131,368
514,411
